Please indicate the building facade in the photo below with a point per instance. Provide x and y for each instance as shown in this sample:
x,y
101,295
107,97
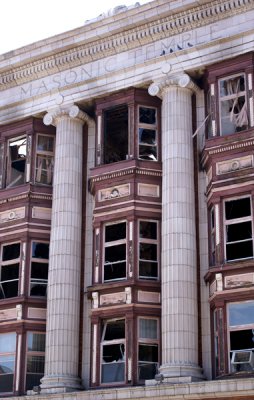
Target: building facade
x,y
126,207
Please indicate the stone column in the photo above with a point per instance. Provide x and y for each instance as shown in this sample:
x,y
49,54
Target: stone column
x,y
178,269
63,296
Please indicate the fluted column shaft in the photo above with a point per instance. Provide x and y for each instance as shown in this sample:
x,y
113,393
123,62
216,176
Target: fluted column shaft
x,y
178,270
63,297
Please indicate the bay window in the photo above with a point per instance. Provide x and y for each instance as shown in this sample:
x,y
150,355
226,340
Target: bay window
x,y
241,336
148,348
113,351
39,269
115,251
16,161
7,361
44,159
238,228
9,273
148,249
35,359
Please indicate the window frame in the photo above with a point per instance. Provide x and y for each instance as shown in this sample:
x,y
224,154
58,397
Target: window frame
x,y
10,354
149,241
44,154
9,183
120,341
43,282
148,342
10,262
34,353
153,127
111,244
234,221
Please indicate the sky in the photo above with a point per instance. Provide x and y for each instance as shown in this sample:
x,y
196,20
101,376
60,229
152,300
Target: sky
x,y
26,21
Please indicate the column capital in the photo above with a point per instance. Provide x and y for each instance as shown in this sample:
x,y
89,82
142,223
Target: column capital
x,y
183,81
73,111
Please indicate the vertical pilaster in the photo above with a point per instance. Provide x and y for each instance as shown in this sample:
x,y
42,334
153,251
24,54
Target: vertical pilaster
x,y
63,296
179,270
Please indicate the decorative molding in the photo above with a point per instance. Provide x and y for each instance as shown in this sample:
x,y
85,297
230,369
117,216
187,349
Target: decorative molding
x,y
233,146
37,313
177,23
10,313
182,81
149,297
19,311
113,298
114,192
145,189
124,172
95,297
235,281
12,215
41,213
72,111
233,165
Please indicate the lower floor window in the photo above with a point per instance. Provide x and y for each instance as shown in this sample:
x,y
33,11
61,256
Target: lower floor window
x,y
241,336
35,359
113,351
7,361
148,348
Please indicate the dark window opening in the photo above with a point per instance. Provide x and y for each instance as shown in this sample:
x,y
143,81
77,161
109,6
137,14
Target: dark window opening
x,y
116,134
115,232
39,269
147,134
238,208
17,162
35,359
115,251
9,275
148,250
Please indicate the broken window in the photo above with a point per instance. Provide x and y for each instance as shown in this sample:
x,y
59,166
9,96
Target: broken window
x,y
148,249
9,279
212,236
115,251
241,334
147,128
233,104
113,351
16,164
35,359
116,142
44,159
148,348
238,225
219,346
7,361
39,269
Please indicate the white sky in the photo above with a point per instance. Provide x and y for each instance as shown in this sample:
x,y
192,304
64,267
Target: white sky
x,y
26,21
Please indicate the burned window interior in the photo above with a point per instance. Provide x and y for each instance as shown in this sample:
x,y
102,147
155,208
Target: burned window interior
x,y
148,250
7,361
16,165
113,351
233,105
39,269
147,129
148,348
9,279
44,159
35,359
241,333
116,136
238,225
115,251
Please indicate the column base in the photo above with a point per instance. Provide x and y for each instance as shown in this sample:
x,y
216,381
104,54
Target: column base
x,y
60,384
174,374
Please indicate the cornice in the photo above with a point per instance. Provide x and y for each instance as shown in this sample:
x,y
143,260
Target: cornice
x,y
161,28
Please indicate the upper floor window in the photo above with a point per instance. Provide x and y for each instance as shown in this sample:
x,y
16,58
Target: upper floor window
x,y
115,251
44,159
35,359
113,351
238,228
148,134
39,269
233,104
148,250
241,336
7,361
16,161
9,273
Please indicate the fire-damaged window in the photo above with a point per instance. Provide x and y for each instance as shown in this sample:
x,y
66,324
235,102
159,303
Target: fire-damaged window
x,y
148,249
113,351
9,274
233,104
7,361
35,359
148,348
16,161
116,136
115,251
241,336
147,133
238,229
39,269
44,159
